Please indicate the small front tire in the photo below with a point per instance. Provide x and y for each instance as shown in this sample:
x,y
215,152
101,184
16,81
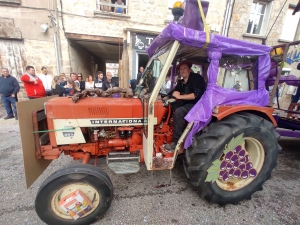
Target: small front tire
x,y
91,180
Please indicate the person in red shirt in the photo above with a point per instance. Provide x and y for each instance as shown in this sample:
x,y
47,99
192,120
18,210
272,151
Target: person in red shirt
x,y
33,84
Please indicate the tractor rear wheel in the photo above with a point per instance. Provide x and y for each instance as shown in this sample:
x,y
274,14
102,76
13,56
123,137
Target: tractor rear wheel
x,y
212,172
91,180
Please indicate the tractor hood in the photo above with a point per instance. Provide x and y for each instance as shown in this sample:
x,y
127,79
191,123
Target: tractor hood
x,y
100,108
65,108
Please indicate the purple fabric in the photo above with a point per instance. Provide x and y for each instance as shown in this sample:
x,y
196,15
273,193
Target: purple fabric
x,y
191,17
215,95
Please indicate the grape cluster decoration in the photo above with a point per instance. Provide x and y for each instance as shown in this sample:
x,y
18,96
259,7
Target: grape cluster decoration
x,y
235,163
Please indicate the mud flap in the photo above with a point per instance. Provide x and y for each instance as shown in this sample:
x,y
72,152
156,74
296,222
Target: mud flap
x,y
33,167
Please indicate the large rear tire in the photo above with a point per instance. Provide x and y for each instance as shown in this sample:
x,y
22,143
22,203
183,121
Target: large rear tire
x,y
260,138
91,180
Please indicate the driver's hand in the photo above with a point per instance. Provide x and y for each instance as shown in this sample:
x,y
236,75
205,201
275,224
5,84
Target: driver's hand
x,y
176,94
165,98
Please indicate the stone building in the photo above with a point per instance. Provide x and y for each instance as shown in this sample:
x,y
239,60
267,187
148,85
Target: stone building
x,y
81,36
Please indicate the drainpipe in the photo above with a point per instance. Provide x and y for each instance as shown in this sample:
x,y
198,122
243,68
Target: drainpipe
x,y
227,19
57,39
56,54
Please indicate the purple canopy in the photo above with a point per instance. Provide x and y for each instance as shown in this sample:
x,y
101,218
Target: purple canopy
x,y
215,95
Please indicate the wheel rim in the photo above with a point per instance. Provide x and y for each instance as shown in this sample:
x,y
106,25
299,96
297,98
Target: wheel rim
x,y
87,189
257,156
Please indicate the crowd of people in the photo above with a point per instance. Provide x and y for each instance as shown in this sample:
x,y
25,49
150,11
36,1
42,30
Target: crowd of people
x,y
39,86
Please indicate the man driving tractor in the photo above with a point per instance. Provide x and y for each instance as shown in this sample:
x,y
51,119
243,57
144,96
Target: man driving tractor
x,y
187,92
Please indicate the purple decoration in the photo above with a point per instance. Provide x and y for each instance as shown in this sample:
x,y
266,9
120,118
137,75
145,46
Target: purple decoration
x,y
225,176
252,173
191,17
236,164
242,154
238,149
234,158
221,174
271,81
201,113
228,156
245,174
242,161
230,173
242,167
292,80
237,173
274,70
249,165
223,165
229,166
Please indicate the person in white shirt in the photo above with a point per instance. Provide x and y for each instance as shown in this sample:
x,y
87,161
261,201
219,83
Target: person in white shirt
x,y
166,87
47,80
90,83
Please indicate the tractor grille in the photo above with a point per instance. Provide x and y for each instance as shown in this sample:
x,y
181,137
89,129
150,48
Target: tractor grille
x,y
98,111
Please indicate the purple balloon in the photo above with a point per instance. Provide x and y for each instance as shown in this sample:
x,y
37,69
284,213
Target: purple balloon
x,y
270,81
292,80
273,71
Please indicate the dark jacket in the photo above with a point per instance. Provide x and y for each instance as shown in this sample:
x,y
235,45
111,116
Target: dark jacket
x,y
139,75
107,85
9,86
59,90
82,85
195,84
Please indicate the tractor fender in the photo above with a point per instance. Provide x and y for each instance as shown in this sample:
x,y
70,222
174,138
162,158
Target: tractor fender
x,y
220,112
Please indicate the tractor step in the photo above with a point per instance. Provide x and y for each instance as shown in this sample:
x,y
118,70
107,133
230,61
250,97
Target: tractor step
x,y
123,162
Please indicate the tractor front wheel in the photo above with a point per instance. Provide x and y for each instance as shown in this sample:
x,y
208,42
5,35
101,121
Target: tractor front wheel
x,y
90,180
233,158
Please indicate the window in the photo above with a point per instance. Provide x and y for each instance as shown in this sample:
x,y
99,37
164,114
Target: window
x,y
237,72
108,6
290,25
259,17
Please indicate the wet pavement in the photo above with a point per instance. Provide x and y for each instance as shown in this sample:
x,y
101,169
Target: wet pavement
x,y
146,198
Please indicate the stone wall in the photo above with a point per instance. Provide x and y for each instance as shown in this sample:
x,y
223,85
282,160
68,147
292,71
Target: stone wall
x,y
240,18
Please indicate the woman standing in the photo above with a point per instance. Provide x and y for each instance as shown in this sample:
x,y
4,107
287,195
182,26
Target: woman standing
x,y
90,83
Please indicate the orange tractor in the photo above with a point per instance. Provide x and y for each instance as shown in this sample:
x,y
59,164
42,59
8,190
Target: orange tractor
x,y
229,144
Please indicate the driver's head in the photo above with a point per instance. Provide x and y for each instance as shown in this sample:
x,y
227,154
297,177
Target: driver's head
x,y
184,68
184,71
